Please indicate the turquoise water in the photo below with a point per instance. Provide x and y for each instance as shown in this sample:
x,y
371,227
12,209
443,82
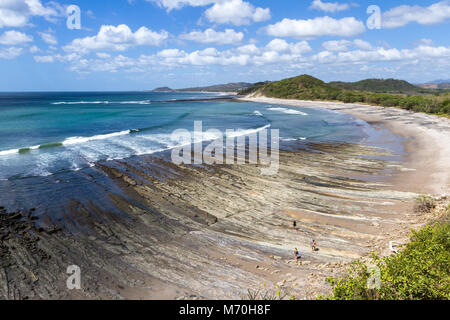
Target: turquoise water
x,y
46,133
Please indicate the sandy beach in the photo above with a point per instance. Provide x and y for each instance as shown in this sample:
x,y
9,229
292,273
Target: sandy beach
x,y
145,228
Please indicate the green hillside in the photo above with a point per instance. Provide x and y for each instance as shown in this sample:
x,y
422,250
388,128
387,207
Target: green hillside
x,y
380,86
306,87
302,87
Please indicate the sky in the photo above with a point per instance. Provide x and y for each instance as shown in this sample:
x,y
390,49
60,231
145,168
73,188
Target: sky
x,y
122,45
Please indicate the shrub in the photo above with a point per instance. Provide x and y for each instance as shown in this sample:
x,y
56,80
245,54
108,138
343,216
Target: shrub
x,y
424,204
421,271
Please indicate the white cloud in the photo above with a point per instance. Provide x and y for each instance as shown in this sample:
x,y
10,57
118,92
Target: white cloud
x,y
10,53
277,51
43,59
312,28
249,49
280,45
363,45
16,13
34,49
229,36
336,45
344,45
329,6
117,38
103,55
13,38
425,42
178,4
421,52
400,16
236,12
48,38
279,56
171,53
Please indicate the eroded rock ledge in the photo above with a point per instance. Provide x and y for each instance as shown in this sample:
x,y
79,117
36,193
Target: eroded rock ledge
x,y
193,232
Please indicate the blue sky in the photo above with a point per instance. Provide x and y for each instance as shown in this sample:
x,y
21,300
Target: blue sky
x,y
143,44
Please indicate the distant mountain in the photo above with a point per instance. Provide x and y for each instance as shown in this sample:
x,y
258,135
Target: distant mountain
x,y
379,86
437,84
439,81
229,87
163,89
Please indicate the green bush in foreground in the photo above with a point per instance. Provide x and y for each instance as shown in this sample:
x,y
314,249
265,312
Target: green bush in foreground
x,y
421,271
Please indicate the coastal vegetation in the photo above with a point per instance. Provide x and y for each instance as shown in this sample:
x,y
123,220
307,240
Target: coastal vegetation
x,y
381,86
306,87
420,271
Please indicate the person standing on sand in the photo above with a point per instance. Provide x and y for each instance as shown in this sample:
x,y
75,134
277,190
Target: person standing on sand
x,y
294,224
297,254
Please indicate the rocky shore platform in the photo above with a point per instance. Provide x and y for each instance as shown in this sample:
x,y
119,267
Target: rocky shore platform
x,y
144,228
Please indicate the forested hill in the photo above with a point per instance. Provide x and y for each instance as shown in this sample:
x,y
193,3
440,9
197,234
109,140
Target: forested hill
x,y
306,87
380,86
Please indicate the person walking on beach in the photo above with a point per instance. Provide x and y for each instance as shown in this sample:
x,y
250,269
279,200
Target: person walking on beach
x,y
314,246
294,224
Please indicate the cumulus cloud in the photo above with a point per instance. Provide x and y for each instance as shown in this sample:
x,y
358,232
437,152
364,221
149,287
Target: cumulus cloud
x,y
276,51
48,38
10,53
336,45
344,45
178,4
312,28
280,45
329,6
14,38
400,16
118,38
103,55
236,12
229,36
43,59
34,49
16,13
379,54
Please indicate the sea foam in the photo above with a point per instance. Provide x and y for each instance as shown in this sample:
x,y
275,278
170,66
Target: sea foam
x,y
288,111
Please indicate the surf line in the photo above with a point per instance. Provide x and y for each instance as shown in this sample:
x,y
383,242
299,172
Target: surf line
x,y
235,153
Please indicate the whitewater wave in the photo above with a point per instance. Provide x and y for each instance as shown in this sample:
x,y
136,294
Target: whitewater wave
x,y
77,140
101,102
288,111
293,139
257,113
241,132
159,138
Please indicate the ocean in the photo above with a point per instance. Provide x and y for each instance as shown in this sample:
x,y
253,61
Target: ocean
x,y
43,134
